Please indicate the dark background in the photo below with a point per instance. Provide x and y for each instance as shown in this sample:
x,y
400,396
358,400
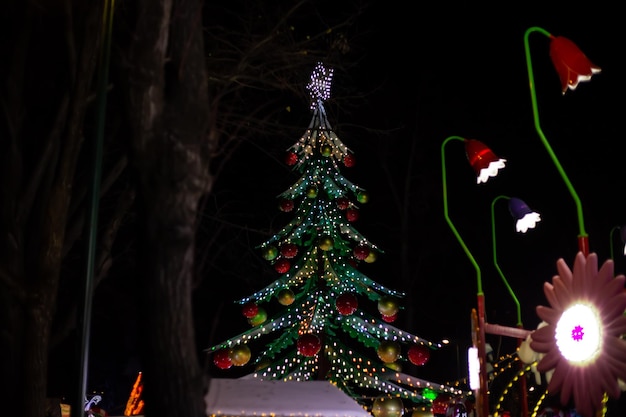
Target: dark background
x,y
460,70
432,71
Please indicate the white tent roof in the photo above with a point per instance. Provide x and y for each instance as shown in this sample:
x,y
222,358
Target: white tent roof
x,y
255,397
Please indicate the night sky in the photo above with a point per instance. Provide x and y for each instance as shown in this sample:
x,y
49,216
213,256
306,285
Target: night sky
x,y
462,73
456,71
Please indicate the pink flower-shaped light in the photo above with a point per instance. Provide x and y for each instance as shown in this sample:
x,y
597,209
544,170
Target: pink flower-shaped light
x,y
570,62
581,339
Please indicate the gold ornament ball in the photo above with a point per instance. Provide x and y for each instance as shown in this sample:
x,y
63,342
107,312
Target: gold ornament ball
x,y
260,317
326,243
371,257
311,192
396,366
240,355
286,297
270,252
326,150
262,364
387,306
388,351
427,412
387,407
363,197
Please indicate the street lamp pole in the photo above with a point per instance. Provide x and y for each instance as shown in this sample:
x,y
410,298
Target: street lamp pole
x,y
526,219
482,397
571,82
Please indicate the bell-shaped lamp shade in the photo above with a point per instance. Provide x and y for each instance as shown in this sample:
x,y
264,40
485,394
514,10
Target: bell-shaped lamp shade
x,y
570,63
622,234
526,218
484,162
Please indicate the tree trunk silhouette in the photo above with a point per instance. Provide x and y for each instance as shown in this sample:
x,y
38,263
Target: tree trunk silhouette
x,y
45,100
169,106
159,83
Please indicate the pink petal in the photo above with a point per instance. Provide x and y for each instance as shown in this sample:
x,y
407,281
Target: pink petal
x,y
589,280
613,307
617,367
562,292
548,315
617,327
607,381
587,389
607,271
615,348
548,290
563,271
550,361
579,274
612,287
560,380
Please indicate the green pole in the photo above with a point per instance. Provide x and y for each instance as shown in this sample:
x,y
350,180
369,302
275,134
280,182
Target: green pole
x,y
479,284
583,239
482,407
84,323
495,259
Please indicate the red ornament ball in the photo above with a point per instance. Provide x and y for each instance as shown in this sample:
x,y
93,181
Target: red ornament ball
x,y
349,160
282,266
289,250
346,304
390,319
309,344
418,354
343,203
249,310
285,205
291,158
352,215
221,359
440,404
361,252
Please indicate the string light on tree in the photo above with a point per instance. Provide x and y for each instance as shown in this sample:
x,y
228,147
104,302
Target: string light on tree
x,y
324,320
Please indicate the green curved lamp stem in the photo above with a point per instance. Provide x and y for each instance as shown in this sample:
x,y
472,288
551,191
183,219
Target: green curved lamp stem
x,y
483,393
533,97
445,212
495,259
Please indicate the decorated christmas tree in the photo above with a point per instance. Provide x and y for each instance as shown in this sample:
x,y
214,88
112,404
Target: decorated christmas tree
x,y
321,328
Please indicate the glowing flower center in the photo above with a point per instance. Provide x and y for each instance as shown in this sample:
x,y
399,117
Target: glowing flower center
x,y
579,334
